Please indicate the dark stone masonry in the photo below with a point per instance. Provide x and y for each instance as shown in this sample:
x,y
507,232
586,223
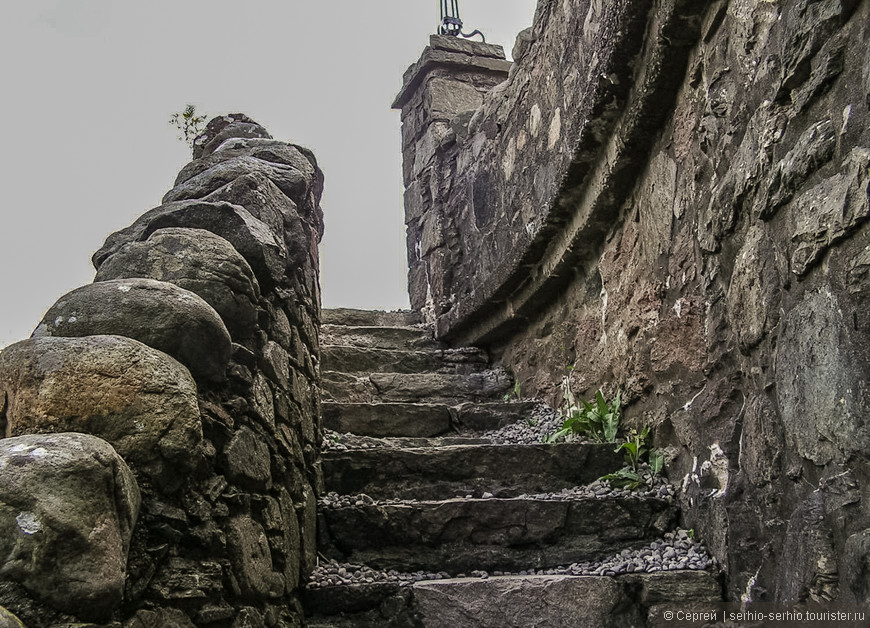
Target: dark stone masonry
x,y
163,423
672,198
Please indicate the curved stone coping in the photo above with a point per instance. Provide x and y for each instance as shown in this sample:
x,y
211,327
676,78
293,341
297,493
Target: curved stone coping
x,y
610,151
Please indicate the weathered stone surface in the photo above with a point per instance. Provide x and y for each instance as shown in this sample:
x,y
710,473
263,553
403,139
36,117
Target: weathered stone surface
x,y
521,601
809,558
68,505
140,400
8,620
249,236
252,560
821,383
444,472
370,318
856,566
220,129
482,417
159,314
289,180
351,359
403,338
755,292
387,419
247,460
417,387
830,211
459,535
186,579
162,618
199,261
265,149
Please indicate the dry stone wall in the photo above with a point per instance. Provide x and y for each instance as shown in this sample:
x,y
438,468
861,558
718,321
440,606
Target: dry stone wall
x,y
673,198
159,458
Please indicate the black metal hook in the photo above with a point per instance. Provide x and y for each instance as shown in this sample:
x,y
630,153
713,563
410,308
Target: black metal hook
x,y
451,23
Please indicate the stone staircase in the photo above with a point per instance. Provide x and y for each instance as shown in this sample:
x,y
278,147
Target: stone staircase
x,y
431,519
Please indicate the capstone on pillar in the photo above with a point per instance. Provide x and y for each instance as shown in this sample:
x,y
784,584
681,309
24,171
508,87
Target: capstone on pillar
x,y
439,94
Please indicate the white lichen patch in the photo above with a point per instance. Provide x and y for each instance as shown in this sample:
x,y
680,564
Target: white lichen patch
x,y
124,288
39,452
555,130
28,523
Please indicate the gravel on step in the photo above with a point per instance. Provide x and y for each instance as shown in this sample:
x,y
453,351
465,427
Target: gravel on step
x,y
673,552
599,489
543,422
535,429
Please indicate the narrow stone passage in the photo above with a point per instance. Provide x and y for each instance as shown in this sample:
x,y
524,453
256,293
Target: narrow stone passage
x,y
442,506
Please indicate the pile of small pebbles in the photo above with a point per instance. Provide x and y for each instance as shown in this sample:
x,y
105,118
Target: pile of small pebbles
x,y
336,441
543,422
675,551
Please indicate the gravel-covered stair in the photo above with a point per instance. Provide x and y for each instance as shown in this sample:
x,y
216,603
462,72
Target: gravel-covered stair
x,y
443,508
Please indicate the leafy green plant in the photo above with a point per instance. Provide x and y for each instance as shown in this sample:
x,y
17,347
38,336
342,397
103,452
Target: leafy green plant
x,y
597,420
635,448
188,123
516,393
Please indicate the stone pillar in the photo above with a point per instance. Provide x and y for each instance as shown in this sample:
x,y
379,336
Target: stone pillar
x,y
438,97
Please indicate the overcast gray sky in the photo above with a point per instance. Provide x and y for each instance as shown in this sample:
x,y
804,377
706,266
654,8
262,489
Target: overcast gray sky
x,y
88,87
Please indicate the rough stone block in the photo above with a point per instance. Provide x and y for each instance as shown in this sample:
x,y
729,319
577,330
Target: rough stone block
x,y
140,400
159,314
68,505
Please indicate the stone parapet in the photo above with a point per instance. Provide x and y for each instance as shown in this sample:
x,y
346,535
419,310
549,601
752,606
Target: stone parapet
x,y
194,359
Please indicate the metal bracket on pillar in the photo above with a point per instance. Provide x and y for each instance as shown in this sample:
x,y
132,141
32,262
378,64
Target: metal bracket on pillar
x,y
451,24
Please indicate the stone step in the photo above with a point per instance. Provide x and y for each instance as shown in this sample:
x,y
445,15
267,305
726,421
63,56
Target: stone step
x,y
460,535
353,359
515,601
420,419
370,318
443,472
488,385
405,338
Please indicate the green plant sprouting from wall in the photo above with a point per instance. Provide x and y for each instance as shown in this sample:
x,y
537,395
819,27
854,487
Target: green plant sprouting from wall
x,y
596,420
188,124
637,456
599,420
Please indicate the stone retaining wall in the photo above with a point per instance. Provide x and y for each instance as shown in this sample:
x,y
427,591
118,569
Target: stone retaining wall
x,y
161,458
672,197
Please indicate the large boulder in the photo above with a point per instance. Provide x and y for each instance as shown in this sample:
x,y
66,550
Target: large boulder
x,y
8,620
252,238
68,504
199,261
159,314
139,399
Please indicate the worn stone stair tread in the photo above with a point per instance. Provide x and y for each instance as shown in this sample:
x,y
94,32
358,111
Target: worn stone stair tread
x,y
355,359
393,419
484,385
388,419
370,318
446,471
419,442
515,601
458,535
380,337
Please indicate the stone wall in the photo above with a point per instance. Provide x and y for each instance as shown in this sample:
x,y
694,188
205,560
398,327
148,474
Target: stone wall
x,y
672,197
161,452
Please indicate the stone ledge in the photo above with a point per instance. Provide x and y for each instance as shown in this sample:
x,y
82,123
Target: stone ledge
x,y
464,55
